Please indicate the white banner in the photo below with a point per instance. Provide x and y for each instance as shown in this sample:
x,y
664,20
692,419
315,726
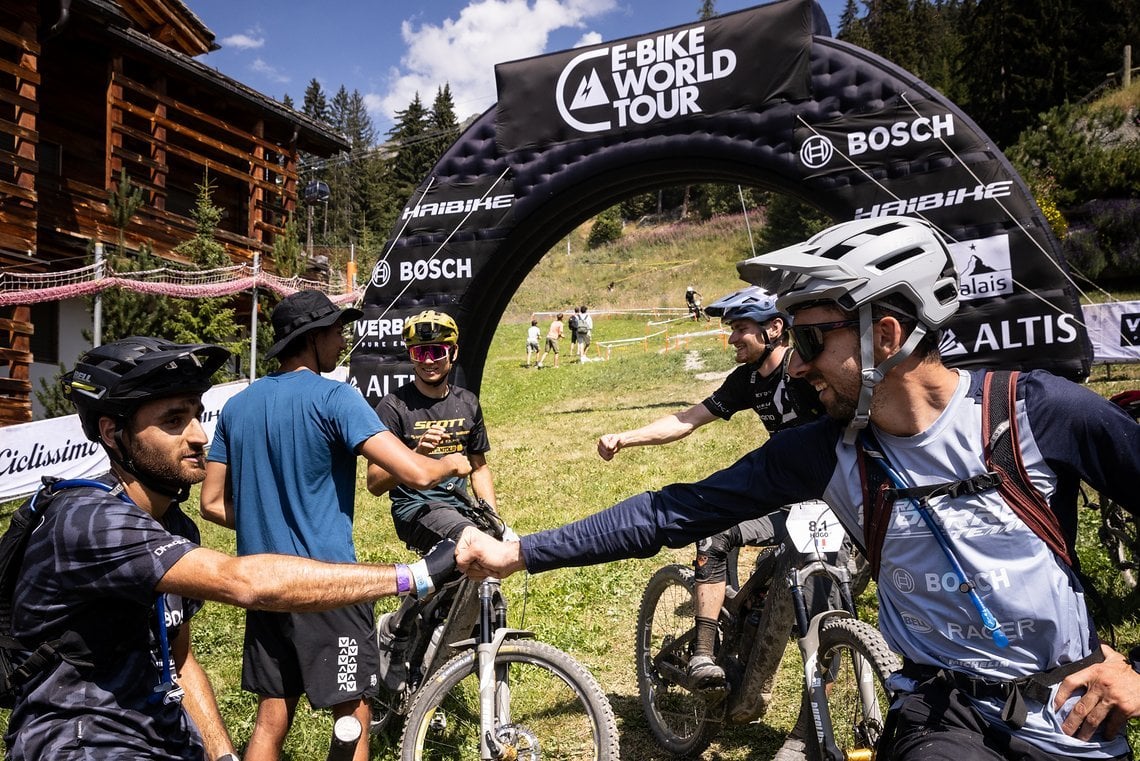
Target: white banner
x,y
1114,330
57,447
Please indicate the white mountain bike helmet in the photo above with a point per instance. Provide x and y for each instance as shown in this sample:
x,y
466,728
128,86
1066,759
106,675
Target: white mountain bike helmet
x,y
856,264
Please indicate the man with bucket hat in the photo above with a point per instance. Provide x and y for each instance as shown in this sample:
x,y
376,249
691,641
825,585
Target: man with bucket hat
x,y
282,472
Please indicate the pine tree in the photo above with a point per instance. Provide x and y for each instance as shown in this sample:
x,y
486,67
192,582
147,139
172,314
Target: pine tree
x,y
315,104
413,153
852,28
287,101
707,10
442,124
891,31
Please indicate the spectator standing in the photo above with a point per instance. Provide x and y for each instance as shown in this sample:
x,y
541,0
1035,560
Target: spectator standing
x,y
584,333
572,326
553,336
282,472
114,564
532,334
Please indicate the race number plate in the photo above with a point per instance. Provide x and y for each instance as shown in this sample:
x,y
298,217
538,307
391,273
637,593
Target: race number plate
x,y
812,527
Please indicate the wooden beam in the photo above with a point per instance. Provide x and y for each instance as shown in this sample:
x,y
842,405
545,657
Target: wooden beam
x,y
158,150
112,163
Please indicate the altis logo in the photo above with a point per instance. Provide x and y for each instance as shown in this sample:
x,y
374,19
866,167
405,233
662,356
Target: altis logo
x,y
652,79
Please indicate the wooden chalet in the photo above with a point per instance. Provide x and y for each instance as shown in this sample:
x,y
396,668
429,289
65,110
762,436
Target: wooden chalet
x,y
90,88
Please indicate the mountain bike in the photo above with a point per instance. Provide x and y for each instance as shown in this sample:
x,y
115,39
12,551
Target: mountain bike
x,y
1118,530
846,662
479,689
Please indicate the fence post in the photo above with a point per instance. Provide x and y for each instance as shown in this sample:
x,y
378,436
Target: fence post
x,y
1127,78
253,319
97,312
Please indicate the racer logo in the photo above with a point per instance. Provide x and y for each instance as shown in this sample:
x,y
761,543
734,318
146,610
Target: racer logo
x,y
816,152
920,130
902,580
983,266
652,79
904,206
381,274
1130,329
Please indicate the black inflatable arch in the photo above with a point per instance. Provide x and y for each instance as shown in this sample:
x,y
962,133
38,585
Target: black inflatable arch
x,y
810,116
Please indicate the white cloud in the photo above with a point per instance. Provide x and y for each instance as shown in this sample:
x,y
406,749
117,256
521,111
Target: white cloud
x,y
588,39
272,73
463,52
250,40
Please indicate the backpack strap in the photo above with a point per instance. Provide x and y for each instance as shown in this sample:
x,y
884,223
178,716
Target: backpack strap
x,y
878,501
1002,451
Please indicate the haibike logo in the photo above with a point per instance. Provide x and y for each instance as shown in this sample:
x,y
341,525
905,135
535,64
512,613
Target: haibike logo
x,y
985,267
937,200
897,135
423,269
652,79
457,207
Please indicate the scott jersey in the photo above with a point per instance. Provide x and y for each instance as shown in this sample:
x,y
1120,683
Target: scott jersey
x,y
778,399
1067,435
409,414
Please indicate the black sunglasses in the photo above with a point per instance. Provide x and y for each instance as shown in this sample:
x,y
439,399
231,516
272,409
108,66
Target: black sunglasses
x,y
807,340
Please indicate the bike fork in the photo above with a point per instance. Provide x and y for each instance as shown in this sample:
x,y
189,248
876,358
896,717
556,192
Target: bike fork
x,y
494,684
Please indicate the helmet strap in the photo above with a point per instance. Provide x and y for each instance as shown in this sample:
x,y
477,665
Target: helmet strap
x,y
873,374
120,455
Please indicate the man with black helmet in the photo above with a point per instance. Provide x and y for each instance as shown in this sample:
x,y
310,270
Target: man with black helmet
x,y
961,485
112,573
282,472
432,417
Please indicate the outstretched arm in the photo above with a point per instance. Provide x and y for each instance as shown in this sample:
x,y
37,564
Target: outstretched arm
x,y
217,505
666,429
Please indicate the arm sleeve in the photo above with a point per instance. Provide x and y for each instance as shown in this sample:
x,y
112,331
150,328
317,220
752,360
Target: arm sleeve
x,y
355,421
732,396
793,466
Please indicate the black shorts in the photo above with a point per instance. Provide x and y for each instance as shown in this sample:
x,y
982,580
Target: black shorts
x,y
433,523
331,656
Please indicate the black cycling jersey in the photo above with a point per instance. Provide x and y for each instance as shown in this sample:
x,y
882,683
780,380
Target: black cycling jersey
x,y
92,568
780,400
408,414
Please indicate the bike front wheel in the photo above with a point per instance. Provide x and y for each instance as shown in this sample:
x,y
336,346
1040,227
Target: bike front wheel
x,y
855,663
548,707
679,719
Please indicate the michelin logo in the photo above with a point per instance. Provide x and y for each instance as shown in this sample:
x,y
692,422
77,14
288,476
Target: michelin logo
x,y
652,79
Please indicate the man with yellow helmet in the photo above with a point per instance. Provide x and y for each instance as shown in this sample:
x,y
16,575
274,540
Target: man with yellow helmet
x,y
434,418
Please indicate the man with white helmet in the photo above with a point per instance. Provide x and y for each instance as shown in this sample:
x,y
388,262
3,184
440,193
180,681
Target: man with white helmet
x,y
1003,662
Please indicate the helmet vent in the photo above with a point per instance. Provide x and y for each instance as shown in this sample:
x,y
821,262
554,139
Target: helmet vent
x,y
899,258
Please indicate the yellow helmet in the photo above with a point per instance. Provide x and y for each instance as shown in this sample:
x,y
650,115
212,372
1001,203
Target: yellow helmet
x,y
430,327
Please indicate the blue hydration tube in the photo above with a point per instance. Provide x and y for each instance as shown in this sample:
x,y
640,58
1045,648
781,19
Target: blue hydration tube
x,y
989,621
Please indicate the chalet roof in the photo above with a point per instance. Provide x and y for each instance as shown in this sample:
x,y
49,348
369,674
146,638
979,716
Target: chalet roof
x,y
316,136
172,23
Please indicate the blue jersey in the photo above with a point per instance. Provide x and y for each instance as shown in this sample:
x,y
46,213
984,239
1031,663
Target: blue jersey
x,y
92,567
1067,434
290,442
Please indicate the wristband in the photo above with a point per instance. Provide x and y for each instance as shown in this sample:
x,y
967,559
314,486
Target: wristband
x,y
228,757
422,578
403,579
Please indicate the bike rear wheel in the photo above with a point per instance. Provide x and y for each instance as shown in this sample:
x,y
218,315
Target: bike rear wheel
x,y
855,663
554,709
680,720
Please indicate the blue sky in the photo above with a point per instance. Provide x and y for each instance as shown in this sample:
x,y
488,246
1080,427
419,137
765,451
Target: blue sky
x,y
390,50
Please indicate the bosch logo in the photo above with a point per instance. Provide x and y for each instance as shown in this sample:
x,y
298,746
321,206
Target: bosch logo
x,y
902,580
816,152
381,274
435,269
920,130
652,79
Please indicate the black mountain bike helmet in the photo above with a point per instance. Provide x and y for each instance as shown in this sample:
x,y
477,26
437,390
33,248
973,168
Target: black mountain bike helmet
x,y
114,379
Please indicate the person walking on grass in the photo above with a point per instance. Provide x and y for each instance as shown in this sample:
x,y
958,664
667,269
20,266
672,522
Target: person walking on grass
x,y
532,334
553,336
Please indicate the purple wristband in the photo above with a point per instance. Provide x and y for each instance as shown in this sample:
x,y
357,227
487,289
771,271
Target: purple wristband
x,y
403,579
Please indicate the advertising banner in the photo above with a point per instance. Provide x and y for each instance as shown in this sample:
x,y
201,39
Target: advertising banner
x,y
57,447
1114,330
726,63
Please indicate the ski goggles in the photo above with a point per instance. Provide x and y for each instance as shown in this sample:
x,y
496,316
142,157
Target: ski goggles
x,y
807,340
429,352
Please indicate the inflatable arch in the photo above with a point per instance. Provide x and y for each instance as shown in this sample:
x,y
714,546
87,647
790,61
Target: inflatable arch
x,y
750,98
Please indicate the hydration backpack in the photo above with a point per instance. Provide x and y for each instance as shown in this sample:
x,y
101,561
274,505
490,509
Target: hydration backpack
x,y
572,323
16,669
1005,471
